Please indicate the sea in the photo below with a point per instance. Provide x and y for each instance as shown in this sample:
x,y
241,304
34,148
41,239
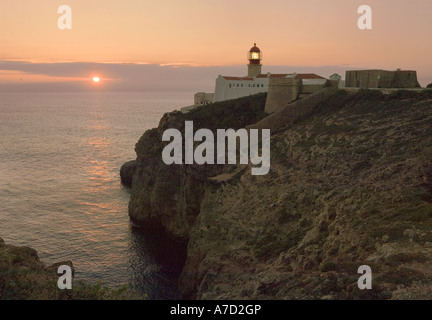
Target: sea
x,y
60,189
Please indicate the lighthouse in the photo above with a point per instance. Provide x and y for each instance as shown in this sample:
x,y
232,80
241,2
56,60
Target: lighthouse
x,y
254,57
233,87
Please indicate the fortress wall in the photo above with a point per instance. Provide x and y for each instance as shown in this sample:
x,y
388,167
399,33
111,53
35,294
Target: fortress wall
x,y
281,92
405,79
286,116
385,80
381,79
349,80
310,88
363,78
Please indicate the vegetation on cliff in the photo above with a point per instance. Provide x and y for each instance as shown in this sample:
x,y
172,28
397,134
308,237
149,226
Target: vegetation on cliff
x,y
24,277
350,184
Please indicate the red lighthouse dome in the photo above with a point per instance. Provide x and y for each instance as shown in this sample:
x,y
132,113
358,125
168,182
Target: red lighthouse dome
x,y
254,49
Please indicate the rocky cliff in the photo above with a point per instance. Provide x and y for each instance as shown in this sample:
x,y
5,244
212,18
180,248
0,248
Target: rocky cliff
x,y
350,185
172,195
24,277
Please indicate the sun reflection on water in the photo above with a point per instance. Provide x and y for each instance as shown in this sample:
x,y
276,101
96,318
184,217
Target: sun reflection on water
x,y
62,194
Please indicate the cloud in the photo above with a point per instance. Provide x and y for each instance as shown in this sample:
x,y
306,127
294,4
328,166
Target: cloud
x,y
121,76
136,76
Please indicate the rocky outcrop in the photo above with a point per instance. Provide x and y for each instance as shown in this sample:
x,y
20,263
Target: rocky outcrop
x,y
350,184
172,195
126,173
24,277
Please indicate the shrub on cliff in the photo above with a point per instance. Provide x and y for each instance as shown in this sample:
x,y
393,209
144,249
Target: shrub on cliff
x,y
235,114
429,86
24,277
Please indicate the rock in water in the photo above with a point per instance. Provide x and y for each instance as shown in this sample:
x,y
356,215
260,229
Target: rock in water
x,y
126,173
54,267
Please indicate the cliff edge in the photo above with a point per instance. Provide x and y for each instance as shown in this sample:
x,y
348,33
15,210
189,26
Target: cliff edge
x,y
172,195
350,184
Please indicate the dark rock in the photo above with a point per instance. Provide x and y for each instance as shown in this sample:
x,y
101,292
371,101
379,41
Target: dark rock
x,y
126,173
54,268
24,277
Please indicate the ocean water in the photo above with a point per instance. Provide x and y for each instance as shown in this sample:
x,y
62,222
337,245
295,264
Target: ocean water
x,y
60,190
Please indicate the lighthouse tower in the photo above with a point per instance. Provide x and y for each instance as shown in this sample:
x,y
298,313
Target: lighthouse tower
x,y
254,57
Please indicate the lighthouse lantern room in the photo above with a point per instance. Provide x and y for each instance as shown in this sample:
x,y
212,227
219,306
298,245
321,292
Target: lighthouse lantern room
x,y
254,57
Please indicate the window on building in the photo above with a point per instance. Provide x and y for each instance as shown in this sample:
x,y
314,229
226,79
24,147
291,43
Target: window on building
x,y
230,85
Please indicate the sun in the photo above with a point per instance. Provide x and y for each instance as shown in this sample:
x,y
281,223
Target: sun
x,y
96,79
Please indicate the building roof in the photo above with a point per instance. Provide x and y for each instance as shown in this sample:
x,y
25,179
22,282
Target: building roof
x,y
309,76
273,75
298,76
238,78
369,70
303,76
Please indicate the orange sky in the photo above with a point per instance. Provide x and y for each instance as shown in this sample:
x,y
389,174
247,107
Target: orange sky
x,y
219,32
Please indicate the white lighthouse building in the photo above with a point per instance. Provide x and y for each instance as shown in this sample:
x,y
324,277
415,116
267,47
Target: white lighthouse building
x,y
292,85
231,87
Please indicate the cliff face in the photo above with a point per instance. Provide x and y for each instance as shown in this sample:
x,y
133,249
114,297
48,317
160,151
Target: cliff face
x,y
350,185
172,195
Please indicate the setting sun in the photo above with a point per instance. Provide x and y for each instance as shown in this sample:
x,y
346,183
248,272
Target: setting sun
x,y
96,79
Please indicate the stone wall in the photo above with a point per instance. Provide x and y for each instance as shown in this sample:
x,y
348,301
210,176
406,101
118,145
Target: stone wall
x,y
281,92
309,89
405,79
201,98
297,110
381,79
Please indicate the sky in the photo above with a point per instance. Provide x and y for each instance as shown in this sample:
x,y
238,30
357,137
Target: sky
x,y
173,45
